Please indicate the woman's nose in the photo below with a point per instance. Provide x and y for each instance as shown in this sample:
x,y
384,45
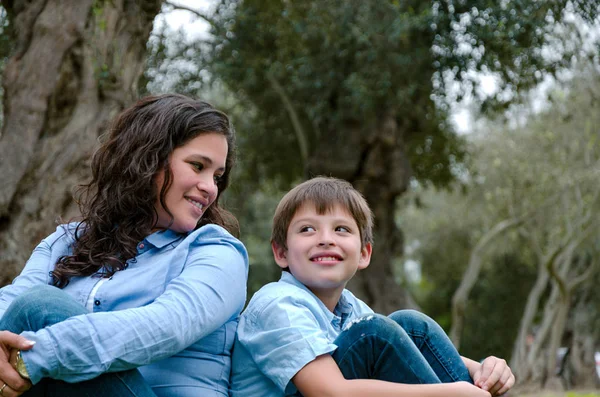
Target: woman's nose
x,y
208,186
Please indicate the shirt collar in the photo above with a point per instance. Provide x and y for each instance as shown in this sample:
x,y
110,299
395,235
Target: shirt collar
x,y
343,308
163,237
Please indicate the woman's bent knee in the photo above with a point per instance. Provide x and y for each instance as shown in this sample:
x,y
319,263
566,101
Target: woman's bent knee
x,y
38,307
39,295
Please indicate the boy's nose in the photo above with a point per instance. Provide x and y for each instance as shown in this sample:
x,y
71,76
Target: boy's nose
x,y
326,239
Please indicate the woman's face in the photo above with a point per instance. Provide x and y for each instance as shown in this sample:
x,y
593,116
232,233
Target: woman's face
x,y
196,168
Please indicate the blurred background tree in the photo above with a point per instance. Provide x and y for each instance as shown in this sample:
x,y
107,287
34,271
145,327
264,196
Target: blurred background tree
x,y
359,90
538,279
68,67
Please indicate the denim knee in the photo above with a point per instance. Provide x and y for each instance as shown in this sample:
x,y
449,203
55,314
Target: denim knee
x,y
38,307
416,323
36,296
375,324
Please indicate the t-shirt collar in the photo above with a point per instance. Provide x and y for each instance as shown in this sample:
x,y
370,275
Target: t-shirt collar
x,y
343,309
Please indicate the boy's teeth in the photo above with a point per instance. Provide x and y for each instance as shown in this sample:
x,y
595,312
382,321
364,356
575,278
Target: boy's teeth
x,y
197,204
325,258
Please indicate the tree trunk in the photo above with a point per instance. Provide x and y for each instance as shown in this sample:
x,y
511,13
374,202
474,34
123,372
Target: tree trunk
x,y
518,361
377,166
76,64
470,276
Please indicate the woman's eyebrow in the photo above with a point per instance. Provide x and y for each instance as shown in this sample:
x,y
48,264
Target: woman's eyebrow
x,y
206,160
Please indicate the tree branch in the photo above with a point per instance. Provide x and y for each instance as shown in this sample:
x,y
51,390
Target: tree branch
x,y
193,11
289,107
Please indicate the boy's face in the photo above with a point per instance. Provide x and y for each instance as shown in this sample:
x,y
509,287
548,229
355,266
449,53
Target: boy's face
x,y
323,251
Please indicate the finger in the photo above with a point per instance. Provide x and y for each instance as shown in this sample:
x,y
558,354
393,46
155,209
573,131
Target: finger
x,y
510,382
15,341
486,369
12,378
7,391
499,366
477,377
504,376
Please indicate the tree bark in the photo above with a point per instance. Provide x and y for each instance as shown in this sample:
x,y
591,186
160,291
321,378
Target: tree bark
x,y
376,164
76,64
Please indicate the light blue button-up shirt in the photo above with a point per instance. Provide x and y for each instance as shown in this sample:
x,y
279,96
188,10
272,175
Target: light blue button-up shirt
x,y
284,327
172,312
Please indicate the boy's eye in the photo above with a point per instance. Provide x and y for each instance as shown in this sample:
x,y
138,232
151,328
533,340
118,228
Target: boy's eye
x,y
305,229
342,229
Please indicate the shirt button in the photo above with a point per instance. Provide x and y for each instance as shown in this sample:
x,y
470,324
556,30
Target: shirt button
x,y
141,246
97,302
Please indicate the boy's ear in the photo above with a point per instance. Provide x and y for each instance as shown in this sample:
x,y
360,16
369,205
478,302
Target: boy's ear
x,y
280,255
365,256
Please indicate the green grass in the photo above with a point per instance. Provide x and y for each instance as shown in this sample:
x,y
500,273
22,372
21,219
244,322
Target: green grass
x,y
571,394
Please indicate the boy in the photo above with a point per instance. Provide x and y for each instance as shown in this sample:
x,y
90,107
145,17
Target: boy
x,y
307,335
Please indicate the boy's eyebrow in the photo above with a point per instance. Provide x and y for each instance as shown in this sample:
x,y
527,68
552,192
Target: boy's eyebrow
x,y
305,219
314,218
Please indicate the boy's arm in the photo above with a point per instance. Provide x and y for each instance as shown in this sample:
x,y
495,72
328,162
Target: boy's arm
x,y
322,378
493,374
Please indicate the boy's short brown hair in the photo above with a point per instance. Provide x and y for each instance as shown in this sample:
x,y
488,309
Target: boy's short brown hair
x,y
323,193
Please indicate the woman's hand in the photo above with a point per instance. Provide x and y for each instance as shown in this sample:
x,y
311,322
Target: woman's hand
x,y
11,383
494,375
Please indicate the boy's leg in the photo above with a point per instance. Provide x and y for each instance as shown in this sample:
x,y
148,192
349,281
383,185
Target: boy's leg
x,y
433,344
376,347
45,305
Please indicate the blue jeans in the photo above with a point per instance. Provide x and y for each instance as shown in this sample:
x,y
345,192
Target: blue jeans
x,y
45,305
406,347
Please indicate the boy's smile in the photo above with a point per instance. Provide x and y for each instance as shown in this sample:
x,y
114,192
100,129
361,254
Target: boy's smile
x,y
323,251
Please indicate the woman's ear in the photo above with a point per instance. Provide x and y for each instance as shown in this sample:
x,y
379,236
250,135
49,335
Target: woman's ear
x,y
280,255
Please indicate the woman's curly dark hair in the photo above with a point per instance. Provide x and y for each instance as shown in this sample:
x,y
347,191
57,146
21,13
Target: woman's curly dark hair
x,y
117,206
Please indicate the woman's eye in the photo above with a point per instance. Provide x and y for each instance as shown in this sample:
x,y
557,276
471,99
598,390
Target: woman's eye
x,y
218,178
305,229
198,166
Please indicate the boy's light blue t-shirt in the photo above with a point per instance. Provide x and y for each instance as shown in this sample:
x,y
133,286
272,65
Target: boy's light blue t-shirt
x,y
284,327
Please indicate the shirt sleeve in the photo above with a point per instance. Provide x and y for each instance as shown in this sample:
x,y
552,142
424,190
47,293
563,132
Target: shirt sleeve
x,y
282,337
210,291
37,268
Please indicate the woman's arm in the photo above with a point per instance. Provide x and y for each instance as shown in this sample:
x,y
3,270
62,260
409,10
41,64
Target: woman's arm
x,y
210,291
322,378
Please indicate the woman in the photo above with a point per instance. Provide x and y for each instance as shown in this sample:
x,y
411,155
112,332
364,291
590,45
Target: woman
x,y
151,278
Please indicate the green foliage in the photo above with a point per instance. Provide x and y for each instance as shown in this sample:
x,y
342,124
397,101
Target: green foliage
x,y
547,171
344,63
341,64
254,209
493,315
